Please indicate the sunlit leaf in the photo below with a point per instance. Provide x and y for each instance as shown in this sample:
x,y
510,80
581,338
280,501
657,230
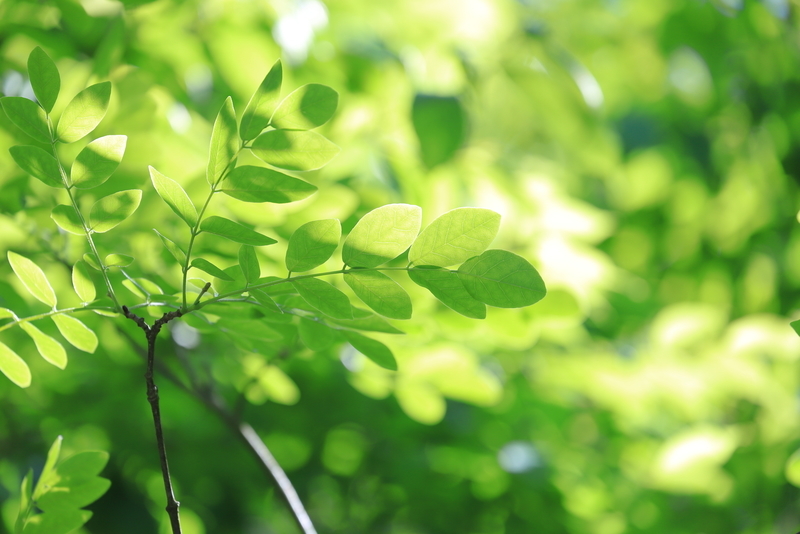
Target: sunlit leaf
x,y
14,367
73,496
503,279
49,469
110,211
97,161
82,466
294,150
368,321
380,293
84,112
82,282
262,104
175,197
440,125
312,244
447,287
142,287
210,268
176,251
324,297
63,522
38,164
118,260
91,261
234,231
259,184
25,501
33,278
67,219
306,107
455,237
381,235
316,335
249,263
27,116
50,349
78,334
372,349
224,143
44,77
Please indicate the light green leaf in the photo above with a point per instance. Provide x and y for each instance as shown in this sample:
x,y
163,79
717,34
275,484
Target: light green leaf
x,y
82,282
366,320
306,108
97,161
372,349
67,219
48,472
25,501
249,263
294,150
109,211
33,278
91,261
381,235
175,197
503,279
44,77
78,334
324,297
210,268
316,335
446,286
176,251
14,367
262,104
118,260
38,164
50,349
5,313
235,232
265,300
84,113
73,496
142,287
455,237
82,467
224,143
259,184
380,293
28,116
63,522
248,328
312,244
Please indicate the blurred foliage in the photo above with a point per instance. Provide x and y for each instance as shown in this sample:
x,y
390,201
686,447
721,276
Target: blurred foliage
x,y
644,156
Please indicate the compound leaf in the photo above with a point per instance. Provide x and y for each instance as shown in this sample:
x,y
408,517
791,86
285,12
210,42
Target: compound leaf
x,y
455,237
176,251
262,104
224,142
372,349
28,116
294,150
259,184
38,164
306,107
50,349
14,367
84,112
265,300
82,282
234,231
312,244
380,293
249,263
210,268
382,234
446,286
109,211
78,334
175,197
67,219
503,279
33,278
97,161
44,77
324,297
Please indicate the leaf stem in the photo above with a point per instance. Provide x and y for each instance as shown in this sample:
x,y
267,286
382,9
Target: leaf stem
x,y
51,313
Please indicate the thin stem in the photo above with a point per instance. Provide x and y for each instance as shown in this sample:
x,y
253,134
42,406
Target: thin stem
x,y
51,313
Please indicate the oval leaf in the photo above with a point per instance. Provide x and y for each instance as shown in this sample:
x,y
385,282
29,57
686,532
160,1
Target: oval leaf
x,y
97,161
210,268
262,104
14,367
118,260
109,211
224,143
81,467
176,251
44,78
33,278
50,349
175,197
366,320
372,349
28,116
446,286
67,219
84,112
235,232
249,263
259,184
380,293
78,334
381,235
38,164
455,237
324,297
294,150
73,496
316,335
306,107
502,279
312,244
82,282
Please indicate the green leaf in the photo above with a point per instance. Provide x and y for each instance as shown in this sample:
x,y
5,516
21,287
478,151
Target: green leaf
x,y
176,251
28,116
91,261
796,326
50,349
48,471
366,320
44,77
312,244
249,263
259,184
25,501
306,107
440,125
265,300
372,349
248,328
294,150
175,197
63,522
33,278
82,467
262,104
109,211
97,161
235,232
142,287
316,335
446,286
503,279
324,297
67,219
38,164
455,237
84,113
118,260
78,334
74,496
381,235
224,143
82,282
14,367
380,293
210,268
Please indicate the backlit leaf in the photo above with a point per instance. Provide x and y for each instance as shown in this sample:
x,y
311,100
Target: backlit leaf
x,y
249,263
366,320
97,161
176,251
118,260
324,297
312,244
27,116
210,268
82,466
265,300
82,282
91,261
372,349
64,522
224,143
84,112
380,293
73,496
235,231
78,334
306,107
38,164
455,237
294,150
259,184
33,278
44,77
447,287
25,501
50,349
67,219
109,211
316,335
175,197
14,367
503,279
262,104
381,235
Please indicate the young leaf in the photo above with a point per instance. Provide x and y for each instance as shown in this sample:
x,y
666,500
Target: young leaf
x,y
73,496
262,104
381,235
82,282
67,219
259,184
294,150
176,251
224,142
234,231
312,244
503,279
49,469
380,293
455,237
44,78
84,113
316,335
210,268
33,278
91,261
97,161
324,297
50,349
38,164
118,260
372,349
306,108
175,197
25,501
63,522
78,334
109,211
14,367
445,286
249,263
28,116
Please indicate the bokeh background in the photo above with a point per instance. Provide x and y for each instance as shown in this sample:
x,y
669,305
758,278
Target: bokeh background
x,y
645,158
